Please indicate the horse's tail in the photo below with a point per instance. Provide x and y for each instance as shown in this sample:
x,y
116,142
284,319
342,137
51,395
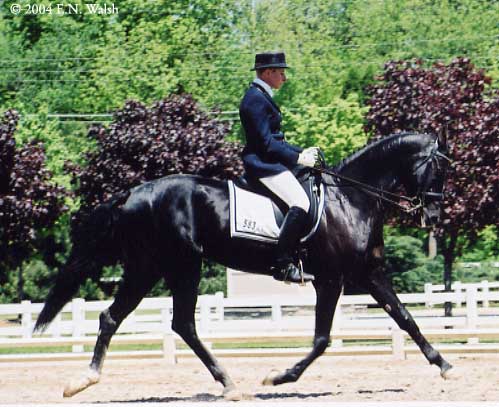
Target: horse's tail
x,y
96,243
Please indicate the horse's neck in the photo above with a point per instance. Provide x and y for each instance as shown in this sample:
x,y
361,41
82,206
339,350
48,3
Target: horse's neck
x,y
382,165
378,173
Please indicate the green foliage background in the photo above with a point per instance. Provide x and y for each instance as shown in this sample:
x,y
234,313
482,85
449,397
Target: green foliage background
x,y
88,64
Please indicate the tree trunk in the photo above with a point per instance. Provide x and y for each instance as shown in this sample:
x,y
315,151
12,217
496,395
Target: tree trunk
x,y
20,284
449,256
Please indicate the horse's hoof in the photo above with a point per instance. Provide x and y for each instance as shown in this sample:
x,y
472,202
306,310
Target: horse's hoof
x,y
448,373
232,394
77,385
269,380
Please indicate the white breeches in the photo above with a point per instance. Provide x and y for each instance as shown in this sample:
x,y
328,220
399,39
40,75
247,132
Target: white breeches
x,y
287,187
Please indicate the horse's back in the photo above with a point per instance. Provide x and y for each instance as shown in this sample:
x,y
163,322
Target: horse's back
x,y
178,186
178,210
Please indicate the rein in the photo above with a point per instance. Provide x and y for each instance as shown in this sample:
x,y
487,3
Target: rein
x,y
415,202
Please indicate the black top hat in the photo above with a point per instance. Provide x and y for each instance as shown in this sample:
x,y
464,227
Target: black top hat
x,y
270,60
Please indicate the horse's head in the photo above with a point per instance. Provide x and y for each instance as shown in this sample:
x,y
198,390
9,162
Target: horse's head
x,y
427,177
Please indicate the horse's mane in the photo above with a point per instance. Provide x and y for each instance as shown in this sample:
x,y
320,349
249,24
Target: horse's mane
x,y
378,149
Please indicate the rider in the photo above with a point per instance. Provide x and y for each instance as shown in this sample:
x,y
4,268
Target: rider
x,y
269,158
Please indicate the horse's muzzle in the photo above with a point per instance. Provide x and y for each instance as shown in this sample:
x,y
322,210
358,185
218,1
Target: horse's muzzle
x,y
431,214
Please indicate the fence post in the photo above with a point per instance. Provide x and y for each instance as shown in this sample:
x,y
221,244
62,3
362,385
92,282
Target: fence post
x,y
471,310
485,293
428,290
398,343
204,313
338,316
78,317
219,300
165,319
56,328
457,287
26,318
276,314
169,349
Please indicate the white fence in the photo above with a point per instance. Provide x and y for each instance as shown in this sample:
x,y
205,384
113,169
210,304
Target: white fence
x,y
483,287
225,320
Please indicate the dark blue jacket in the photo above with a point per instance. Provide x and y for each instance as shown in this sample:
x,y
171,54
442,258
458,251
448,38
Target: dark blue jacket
x,y
266,152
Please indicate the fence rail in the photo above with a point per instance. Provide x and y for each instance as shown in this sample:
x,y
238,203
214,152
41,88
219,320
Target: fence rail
x,y
483,287
265,320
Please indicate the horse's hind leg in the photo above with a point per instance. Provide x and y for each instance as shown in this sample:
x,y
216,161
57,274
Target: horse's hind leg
x,y
183,323
382,291
137,283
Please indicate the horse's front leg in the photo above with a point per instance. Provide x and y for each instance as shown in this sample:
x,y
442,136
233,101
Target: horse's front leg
x,y
382,291
327,298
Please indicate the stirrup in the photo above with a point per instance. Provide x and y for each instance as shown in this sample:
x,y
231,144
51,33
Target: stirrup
x,y
283,274
300,267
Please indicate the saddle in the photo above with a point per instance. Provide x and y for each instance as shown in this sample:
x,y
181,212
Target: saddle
x,y
256,213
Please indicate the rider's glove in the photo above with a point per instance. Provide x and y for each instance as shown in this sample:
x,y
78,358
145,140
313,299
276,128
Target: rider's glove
x,y
308,157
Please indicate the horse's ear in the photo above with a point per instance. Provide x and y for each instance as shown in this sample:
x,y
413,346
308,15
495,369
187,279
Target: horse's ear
x,y
442,138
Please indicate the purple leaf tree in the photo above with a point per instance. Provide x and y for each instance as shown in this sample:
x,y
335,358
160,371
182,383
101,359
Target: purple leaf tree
x,y
29,201
456,99
171,137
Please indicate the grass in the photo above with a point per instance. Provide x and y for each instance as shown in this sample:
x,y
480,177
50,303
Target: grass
x,y
35,349
146,347
182,346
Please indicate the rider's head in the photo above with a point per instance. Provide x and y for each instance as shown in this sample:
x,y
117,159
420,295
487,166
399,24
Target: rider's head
x,y
270,67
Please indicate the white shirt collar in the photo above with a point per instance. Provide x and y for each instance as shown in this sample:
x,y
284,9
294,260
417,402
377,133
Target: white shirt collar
x,y
264,85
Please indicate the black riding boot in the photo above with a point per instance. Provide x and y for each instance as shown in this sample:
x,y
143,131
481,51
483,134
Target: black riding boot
x,y
289,237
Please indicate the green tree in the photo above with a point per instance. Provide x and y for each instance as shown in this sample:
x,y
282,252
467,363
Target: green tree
x,y
484,248
336,48
336,128
214,278
407,265
394,30
93,63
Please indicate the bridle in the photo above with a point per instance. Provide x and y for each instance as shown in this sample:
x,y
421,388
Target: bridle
x,y
415,202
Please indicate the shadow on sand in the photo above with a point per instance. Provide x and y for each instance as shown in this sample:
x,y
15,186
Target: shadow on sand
x,y
211,397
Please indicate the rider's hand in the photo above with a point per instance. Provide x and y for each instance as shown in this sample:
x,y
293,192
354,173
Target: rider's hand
x,y
308,157
314,149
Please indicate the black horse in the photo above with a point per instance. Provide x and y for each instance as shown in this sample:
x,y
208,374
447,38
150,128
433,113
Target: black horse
x,y
164,228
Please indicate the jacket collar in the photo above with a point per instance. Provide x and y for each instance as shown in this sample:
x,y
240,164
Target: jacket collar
x,y
267,96
266,87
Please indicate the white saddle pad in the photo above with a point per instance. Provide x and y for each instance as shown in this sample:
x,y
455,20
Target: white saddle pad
x,y
251,215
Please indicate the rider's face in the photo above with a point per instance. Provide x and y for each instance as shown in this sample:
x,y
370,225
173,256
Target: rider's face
x,y
275,77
